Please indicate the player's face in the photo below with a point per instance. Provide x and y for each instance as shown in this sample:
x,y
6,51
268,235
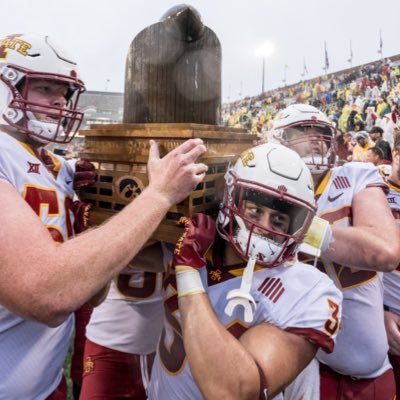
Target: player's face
x,y
307,141
49,94
268,218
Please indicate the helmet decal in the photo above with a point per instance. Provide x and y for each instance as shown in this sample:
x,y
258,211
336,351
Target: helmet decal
x,y
246,158
282,188
13,42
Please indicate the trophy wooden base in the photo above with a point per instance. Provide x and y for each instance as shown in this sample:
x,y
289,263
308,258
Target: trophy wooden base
x,y
120,153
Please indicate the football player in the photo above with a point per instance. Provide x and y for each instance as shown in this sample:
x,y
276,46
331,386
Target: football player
x,y
46,272
123,331
242,316
391,281
363,239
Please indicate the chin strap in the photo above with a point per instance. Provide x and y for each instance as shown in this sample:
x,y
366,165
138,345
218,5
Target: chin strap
x,y
242,296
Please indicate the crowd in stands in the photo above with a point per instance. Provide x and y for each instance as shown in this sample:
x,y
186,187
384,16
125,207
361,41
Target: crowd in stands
x,y
357,100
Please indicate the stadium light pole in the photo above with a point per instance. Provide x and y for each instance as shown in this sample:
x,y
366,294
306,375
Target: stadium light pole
x,y
265,50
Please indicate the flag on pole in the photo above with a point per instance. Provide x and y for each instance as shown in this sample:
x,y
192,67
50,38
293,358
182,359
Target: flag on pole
x,y
350,60
326,58
380,43
284,73
305,70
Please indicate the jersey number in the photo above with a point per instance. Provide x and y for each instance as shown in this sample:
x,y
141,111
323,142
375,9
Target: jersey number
x,y
332,324
43,198
132,290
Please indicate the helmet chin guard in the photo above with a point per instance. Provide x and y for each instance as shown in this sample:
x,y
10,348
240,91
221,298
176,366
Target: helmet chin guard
x,y
258,247
25,58
44,132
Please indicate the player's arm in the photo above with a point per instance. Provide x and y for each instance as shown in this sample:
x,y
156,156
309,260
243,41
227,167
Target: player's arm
x,y
45,281
392,325
100,296
222,366
373,242
226,368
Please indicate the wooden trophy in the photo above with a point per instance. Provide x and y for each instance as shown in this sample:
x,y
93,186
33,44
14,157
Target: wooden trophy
x,y
172,93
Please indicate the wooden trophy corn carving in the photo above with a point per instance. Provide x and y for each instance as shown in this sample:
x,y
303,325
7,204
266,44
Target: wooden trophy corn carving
x,y
173,71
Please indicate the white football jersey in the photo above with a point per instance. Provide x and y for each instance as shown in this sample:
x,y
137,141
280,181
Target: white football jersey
x,y
391,280
361,345
130,318
32,354
297,298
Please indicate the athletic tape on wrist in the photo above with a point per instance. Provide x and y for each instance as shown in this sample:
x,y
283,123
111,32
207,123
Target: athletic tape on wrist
x,y
318,239
188,281
327,238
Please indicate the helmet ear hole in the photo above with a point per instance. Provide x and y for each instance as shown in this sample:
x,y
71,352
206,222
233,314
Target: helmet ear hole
x,y
20,85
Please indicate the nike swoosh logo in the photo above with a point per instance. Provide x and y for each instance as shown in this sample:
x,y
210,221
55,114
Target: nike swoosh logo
x,y
335,197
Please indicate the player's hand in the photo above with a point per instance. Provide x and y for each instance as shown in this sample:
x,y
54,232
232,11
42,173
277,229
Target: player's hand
x,y
85,174
176,175
197,238
81,214
318,237
392,325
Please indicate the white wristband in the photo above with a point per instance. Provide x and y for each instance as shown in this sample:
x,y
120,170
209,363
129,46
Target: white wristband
x,y
188,281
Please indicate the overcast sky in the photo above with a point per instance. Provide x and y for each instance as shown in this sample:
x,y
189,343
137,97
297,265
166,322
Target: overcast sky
x,y
99,32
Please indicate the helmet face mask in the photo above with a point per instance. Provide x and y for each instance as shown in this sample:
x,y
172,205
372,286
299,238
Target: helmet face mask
x,y
248,203
315,145
44,121
308,131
